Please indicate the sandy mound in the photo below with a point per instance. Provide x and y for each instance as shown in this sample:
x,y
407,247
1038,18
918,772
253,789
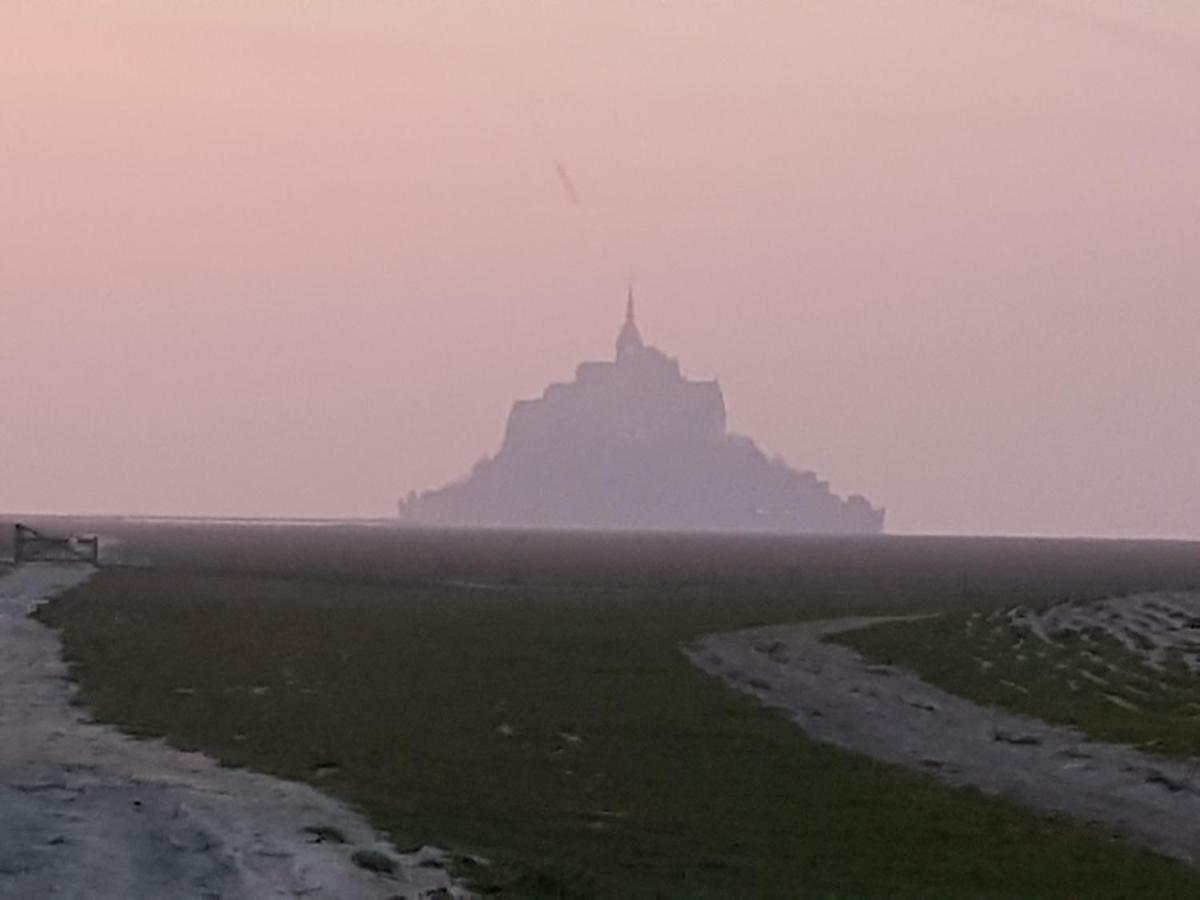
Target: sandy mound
x,y
1153,626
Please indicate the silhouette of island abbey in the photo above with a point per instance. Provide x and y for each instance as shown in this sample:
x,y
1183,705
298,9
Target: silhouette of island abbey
x,y
632,443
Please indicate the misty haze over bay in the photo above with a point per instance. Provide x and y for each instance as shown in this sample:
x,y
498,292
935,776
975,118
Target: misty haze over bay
x,y
266,260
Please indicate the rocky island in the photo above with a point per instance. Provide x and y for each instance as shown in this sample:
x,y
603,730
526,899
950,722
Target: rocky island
x,y
633,444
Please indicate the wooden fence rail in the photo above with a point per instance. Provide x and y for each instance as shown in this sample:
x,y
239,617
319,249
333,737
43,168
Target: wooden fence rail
x,y
30,545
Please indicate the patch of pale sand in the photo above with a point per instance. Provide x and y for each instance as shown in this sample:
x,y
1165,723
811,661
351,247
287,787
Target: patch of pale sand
x,y
1120,701
890,714
88,812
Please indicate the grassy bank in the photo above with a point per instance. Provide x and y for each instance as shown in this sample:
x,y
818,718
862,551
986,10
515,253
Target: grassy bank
x,y
560,733
1092,683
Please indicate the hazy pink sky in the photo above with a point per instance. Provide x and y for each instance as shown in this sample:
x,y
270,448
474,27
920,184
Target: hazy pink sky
x,y
298,258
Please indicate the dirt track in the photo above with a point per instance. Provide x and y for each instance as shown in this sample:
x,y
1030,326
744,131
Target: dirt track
x,y
88,812
889,714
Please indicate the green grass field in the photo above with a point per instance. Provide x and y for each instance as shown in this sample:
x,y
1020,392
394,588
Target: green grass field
x,y
561,734
1090,682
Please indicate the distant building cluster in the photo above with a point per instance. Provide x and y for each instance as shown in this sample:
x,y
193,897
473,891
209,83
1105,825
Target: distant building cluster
x,y
632,443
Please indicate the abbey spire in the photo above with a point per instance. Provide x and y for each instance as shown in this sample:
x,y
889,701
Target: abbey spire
x,y
630,339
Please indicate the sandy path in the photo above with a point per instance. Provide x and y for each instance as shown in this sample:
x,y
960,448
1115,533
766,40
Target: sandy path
x,y
87,812
887,713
